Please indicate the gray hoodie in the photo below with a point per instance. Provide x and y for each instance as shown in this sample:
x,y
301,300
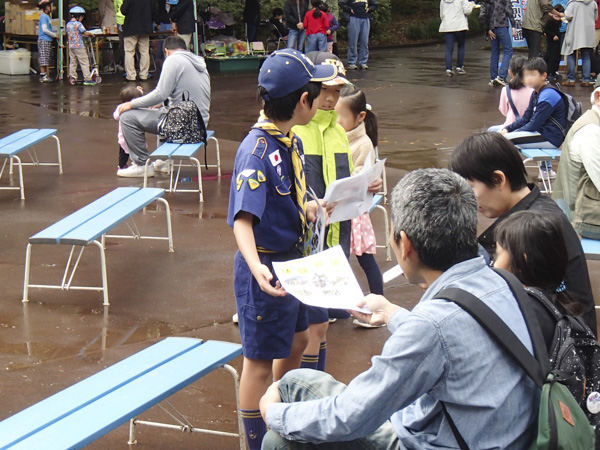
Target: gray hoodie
x,y
182,73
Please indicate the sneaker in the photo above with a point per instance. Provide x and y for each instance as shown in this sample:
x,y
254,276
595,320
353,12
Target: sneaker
x,y
120,68
491,83
45,79
135,171
547,175
360,323
364,67
461,71
586,84
449,73
569,83
162,166
352,67
235,318
499,81
90,83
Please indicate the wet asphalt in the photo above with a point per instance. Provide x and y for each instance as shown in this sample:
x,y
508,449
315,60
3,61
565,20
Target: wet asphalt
x,y
61,337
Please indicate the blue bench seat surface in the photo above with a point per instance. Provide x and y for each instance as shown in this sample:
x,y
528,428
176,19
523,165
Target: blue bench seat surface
x,y
591,247
171,150
21,140
541,154
93,220
91,408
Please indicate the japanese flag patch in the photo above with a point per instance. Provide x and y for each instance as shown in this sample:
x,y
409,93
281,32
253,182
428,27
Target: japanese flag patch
x,y
275,158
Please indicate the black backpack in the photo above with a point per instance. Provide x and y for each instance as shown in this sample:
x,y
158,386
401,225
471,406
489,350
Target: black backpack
x,y
573,359
575,353
183,124
573,109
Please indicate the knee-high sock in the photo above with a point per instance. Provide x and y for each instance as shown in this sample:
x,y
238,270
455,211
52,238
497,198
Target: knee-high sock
x,y
255,428
322,356
309,361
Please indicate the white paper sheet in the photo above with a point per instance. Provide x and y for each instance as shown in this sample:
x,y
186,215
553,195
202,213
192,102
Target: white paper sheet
x,y
316,232
324,279
350,194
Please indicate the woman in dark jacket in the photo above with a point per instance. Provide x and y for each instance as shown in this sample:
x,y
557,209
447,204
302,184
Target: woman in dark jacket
x,y
182,19
294,12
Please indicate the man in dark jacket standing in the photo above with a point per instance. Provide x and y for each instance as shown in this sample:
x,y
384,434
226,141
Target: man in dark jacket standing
x,y
182,20
358,13
494,17
139,18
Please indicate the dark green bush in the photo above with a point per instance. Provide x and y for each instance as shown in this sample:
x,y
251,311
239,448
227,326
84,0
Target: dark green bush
x,y
415,32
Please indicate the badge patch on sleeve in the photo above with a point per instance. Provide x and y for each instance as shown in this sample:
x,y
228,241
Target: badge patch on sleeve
x,y
253,183
240,181
261,177
275,158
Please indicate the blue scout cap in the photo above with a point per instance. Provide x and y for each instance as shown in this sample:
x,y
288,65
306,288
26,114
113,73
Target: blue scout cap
x,y
286,71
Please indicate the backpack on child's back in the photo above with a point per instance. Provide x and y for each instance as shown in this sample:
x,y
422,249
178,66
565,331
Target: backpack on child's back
x,y
568,374
573,109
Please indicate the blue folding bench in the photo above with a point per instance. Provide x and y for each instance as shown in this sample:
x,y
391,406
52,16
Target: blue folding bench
x,y
82,413
87,225
12,145
591,248
176,155
539,155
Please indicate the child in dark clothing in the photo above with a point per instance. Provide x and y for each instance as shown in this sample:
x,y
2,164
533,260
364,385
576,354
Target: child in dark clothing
x,y
553,43
277,22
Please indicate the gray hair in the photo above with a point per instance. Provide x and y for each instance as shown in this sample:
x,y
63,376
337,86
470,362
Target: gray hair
x,y
437,210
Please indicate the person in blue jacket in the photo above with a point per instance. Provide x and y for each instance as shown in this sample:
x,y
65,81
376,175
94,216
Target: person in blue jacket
x,y
358,15
544,123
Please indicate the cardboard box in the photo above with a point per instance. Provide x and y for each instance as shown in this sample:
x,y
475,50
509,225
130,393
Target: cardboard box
x,y
21,18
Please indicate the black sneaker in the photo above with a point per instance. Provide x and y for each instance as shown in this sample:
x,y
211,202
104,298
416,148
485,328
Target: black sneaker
x,y
499,81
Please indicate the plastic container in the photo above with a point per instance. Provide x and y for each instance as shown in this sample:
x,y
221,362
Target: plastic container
x,y
15,62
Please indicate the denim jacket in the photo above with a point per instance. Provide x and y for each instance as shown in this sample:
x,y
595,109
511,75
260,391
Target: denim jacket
x,y
437,352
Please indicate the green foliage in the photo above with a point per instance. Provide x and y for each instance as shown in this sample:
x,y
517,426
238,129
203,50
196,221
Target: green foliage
x,y
415,32
408,8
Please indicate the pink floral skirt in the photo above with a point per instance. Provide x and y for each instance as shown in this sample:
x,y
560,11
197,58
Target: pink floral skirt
x,y
362,238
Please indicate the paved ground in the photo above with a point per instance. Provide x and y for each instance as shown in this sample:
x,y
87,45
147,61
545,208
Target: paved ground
x,y
60,337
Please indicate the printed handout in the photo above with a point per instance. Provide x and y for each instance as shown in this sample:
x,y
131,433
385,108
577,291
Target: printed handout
x,y
324,279
350,194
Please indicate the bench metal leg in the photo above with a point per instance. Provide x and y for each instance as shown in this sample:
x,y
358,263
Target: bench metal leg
x,y
169,228
60,165
146,172
27,269
10,172
103,268
185,425
212,138
388,256
195,161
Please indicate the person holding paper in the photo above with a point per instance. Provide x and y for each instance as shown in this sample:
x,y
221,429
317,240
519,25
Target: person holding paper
x,y
270,215
437,355
355,115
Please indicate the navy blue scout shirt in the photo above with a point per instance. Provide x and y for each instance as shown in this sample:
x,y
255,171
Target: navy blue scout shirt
x,y
542,109
261,185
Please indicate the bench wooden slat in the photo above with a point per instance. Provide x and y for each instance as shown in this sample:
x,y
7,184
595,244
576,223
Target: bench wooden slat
x,y
26,141
16,136
114,409
53,233
65,402
98,225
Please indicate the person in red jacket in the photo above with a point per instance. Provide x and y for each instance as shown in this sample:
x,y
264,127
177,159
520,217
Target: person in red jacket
x,y
317,28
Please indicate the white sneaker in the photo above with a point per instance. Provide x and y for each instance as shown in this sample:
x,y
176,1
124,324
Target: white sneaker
x,y
235,318
162,166
449,73
461,71
135,171
547,175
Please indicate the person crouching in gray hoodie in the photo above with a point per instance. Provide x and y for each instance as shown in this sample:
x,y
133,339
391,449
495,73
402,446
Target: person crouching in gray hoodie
x,y
183,72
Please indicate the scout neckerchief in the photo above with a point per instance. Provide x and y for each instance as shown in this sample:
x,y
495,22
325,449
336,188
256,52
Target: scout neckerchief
x,y
299,181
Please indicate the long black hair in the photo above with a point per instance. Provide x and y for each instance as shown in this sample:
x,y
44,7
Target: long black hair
x,y
516,68
538,254
316,4
357,102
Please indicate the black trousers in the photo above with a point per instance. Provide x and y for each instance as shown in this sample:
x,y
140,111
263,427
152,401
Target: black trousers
x,y
534,42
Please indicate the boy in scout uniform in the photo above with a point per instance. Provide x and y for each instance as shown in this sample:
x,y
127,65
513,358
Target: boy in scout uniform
x,y
269,213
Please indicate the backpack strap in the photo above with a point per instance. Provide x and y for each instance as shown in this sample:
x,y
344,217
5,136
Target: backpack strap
x,y
459,439
512,105
565,102
496,327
